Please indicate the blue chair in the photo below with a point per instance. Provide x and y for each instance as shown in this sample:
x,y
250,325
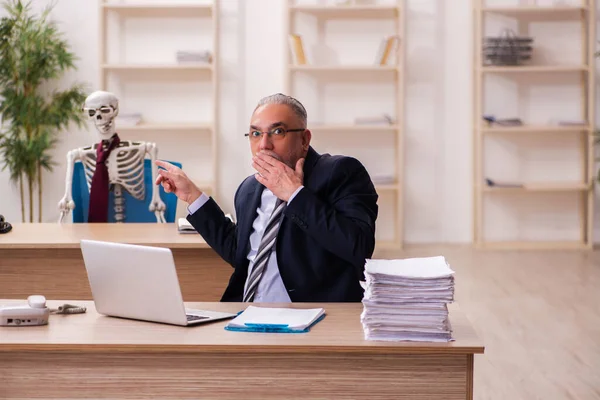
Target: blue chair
x,y
135,210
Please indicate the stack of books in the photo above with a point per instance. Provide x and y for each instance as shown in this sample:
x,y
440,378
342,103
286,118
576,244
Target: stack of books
x,y
194,57
383,119
406,300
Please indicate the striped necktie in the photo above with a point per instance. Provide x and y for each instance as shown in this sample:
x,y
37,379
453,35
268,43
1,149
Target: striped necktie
x,y
267,244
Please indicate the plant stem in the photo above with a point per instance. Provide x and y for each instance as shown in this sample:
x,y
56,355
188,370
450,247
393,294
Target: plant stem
x,y
39,168
30,182
22,197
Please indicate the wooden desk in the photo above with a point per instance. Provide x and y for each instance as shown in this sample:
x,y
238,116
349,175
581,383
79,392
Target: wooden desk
x,y
46,259
88,355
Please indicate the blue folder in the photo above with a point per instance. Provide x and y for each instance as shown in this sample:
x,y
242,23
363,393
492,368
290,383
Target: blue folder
x,y
272,328
275,320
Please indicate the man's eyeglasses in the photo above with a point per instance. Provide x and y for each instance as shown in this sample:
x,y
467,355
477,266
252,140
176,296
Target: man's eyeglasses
x,y
275,133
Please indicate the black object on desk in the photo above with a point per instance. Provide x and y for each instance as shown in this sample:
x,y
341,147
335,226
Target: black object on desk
x,y
5,227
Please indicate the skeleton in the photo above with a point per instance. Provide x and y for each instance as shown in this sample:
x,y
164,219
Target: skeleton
x,y
125,163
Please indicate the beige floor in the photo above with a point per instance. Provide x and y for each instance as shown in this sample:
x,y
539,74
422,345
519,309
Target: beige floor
x,y
538,313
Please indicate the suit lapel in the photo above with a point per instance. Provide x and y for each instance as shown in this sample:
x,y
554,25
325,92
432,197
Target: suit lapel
x,y
309,163
250,203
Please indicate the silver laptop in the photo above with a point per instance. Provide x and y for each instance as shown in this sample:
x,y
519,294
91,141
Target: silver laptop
x,y
139,282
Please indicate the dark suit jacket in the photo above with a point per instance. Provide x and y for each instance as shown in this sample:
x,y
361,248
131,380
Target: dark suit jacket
x,y
327,231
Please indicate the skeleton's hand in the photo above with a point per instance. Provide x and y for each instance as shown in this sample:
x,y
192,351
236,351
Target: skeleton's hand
x,y
158,208
174,180
65,205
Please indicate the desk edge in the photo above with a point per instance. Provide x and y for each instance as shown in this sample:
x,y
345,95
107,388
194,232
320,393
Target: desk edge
x,y
413,348
76,246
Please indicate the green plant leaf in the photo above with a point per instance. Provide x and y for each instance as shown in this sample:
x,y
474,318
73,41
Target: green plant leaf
x,y
33,54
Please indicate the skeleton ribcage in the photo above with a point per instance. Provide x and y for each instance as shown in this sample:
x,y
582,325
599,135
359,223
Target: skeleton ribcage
x,y
125,167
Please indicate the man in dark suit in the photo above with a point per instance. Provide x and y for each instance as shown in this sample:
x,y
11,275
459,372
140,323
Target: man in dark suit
x,y
305,221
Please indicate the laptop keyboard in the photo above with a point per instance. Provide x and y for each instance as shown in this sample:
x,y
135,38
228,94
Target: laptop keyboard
x,y
194,317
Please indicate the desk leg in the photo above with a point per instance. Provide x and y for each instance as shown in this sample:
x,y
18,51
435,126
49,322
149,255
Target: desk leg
x,y
59,274
219,375
470,369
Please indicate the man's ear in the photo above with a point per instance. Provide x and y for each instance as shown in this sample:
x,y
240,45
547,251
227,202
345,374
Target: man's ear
x,y
306,137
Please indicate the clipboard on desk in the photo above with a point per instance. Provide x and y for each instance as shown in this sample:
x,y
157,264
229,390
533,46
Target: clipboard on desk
x,y
276,320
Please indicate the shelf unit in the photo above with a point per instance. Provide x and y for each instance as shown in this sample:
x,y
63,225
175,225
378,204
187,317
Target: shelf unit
x,y
394,72
196,71
585,14
371,69
157,67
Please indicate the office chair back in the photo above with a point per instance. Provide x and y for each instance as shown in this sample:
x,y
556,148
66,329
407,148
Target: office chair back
x,y
135,210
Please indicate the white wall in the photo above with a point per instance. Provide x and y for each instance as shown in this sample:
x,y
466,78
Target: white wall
x,y
438,137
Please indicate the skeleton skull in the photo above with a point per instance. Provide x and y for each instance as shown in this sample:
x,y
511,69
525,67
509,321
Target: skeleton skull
x,y
102,107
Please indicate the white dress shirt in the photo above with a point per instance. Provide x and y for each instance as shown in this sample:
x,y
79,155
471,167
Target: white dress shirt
x,y
270,288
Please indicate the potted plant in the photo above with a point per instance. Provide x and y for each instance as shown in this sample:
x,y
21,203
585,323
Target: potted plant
x,y
33,53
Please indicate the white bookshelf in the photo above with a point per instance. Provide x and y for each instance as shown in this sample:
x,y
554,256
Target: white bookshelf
x,y
163,68
122,69
160,9
349,10
366,71
545,13
537,129
581,71
170,127
542,187
534,69
354,128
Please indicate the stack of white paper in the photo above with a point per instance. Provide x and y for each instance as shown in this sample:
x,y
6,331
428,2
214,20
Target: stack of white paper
x,y
407,299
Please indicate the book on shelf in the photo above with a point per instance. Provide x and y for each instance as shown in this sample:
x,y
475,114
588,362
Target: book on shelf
x,y
571,122
492,120
183,57
388,49
502,184
297,49
383,119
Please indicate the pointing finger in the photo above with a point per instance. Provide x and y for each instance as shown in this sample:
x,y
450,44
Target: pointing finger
x,y
166,165
165,174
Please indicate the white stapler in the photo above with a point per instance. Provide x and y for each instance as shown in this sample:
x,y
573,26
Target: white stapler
x,y
34,312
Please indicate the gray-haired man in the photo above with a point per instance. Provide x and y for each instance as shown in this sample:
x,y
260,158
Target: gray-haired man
x,y
305,221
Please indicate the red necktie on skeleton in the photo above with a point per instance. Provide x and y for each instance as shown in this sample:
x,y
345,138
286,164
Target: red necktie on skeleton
x,y
98,209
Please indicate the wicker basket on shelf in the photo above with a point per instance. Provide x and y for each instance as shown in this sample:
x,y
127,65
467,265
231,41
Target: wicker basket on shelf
x,y
507,49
